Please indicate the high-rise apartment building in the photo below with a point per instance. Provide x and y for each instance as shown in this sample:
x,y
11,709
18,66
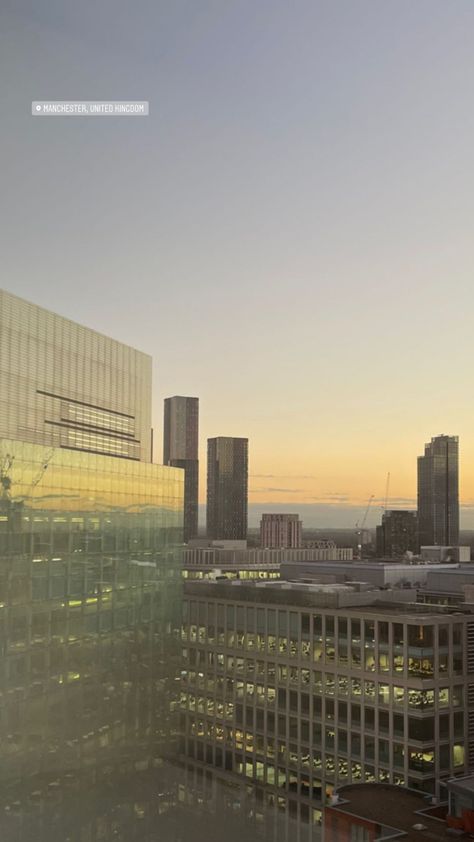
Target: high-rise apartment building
x,y
397,534
180,450
90,574
227,488
438,492
279,531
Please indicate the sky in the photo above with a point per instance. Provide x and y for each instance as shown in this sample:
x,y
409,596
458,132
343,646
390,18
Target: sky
x,y
288,234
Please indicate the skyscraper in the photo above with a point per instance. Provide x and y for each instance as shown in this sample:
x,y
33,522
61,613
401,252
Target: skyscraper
x,y
280,531
180,450
438,492
227,488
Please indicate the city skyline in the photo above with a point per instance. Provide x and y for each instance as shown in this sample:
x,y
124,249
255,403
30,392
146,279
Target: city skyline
x,y
348,237
236,440
329,510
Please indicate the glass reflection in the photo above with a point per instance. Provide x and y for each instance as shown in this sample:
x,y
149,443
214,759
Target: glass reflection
x,y
89,596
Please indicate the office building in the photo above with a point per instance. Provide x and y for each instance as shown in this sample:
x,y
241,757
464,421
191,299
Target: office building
x,y
438,493
279,531
302,688
227,488
180,450
204,562
90,575
397,534
63,385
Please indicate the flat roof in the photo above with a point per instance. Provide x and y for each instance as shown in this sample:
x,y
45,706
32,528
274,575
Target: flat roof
x,y
395,809
330,596
374,564
466,569
462,784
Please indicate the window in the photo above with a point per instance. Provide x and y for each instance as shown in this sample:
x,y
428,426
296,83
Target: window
x,y
421,699
421,760
369,719
398,695
458,755
443,696
355,715
383,721
398,755
384,694
458,724
398,725
398,637
421,729
359,833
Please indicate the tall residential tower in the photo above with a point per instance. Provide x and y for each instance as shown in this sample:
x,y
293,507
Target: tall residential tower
x,y
180,450
397,534
227,488
438,492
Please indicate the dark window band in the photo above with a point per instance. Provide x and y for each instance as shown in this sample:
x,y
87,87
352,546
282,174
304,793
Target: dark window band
x,y
89,428
83,403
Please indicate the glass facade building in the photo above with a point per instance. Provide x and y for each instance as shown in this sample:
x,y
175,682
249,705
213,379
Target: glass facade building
x,y
64,385
89,594
91,539
438,493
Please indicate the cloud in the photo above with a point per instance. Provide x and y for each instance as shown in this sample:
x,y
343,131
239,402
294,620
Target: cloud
x,y
281,476
262,476
276,491
334,497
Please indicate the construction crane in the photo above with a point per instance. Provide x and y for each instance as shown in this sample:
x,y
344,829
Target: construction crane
x,y
44,465
6,464
5,478
360,530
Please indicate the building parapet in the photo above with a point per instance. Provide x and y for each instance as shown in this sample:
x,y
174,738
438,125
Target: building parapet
x,y
222,557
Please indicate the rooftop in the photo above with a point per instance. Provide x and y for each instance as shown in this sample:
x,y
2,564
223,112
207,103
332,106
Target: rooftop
x,y
465,784
394,601
396,810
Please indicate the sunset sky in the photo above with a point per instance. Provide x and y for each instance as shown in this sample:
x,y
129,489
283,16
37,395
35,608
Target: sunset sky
x,y
289,233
